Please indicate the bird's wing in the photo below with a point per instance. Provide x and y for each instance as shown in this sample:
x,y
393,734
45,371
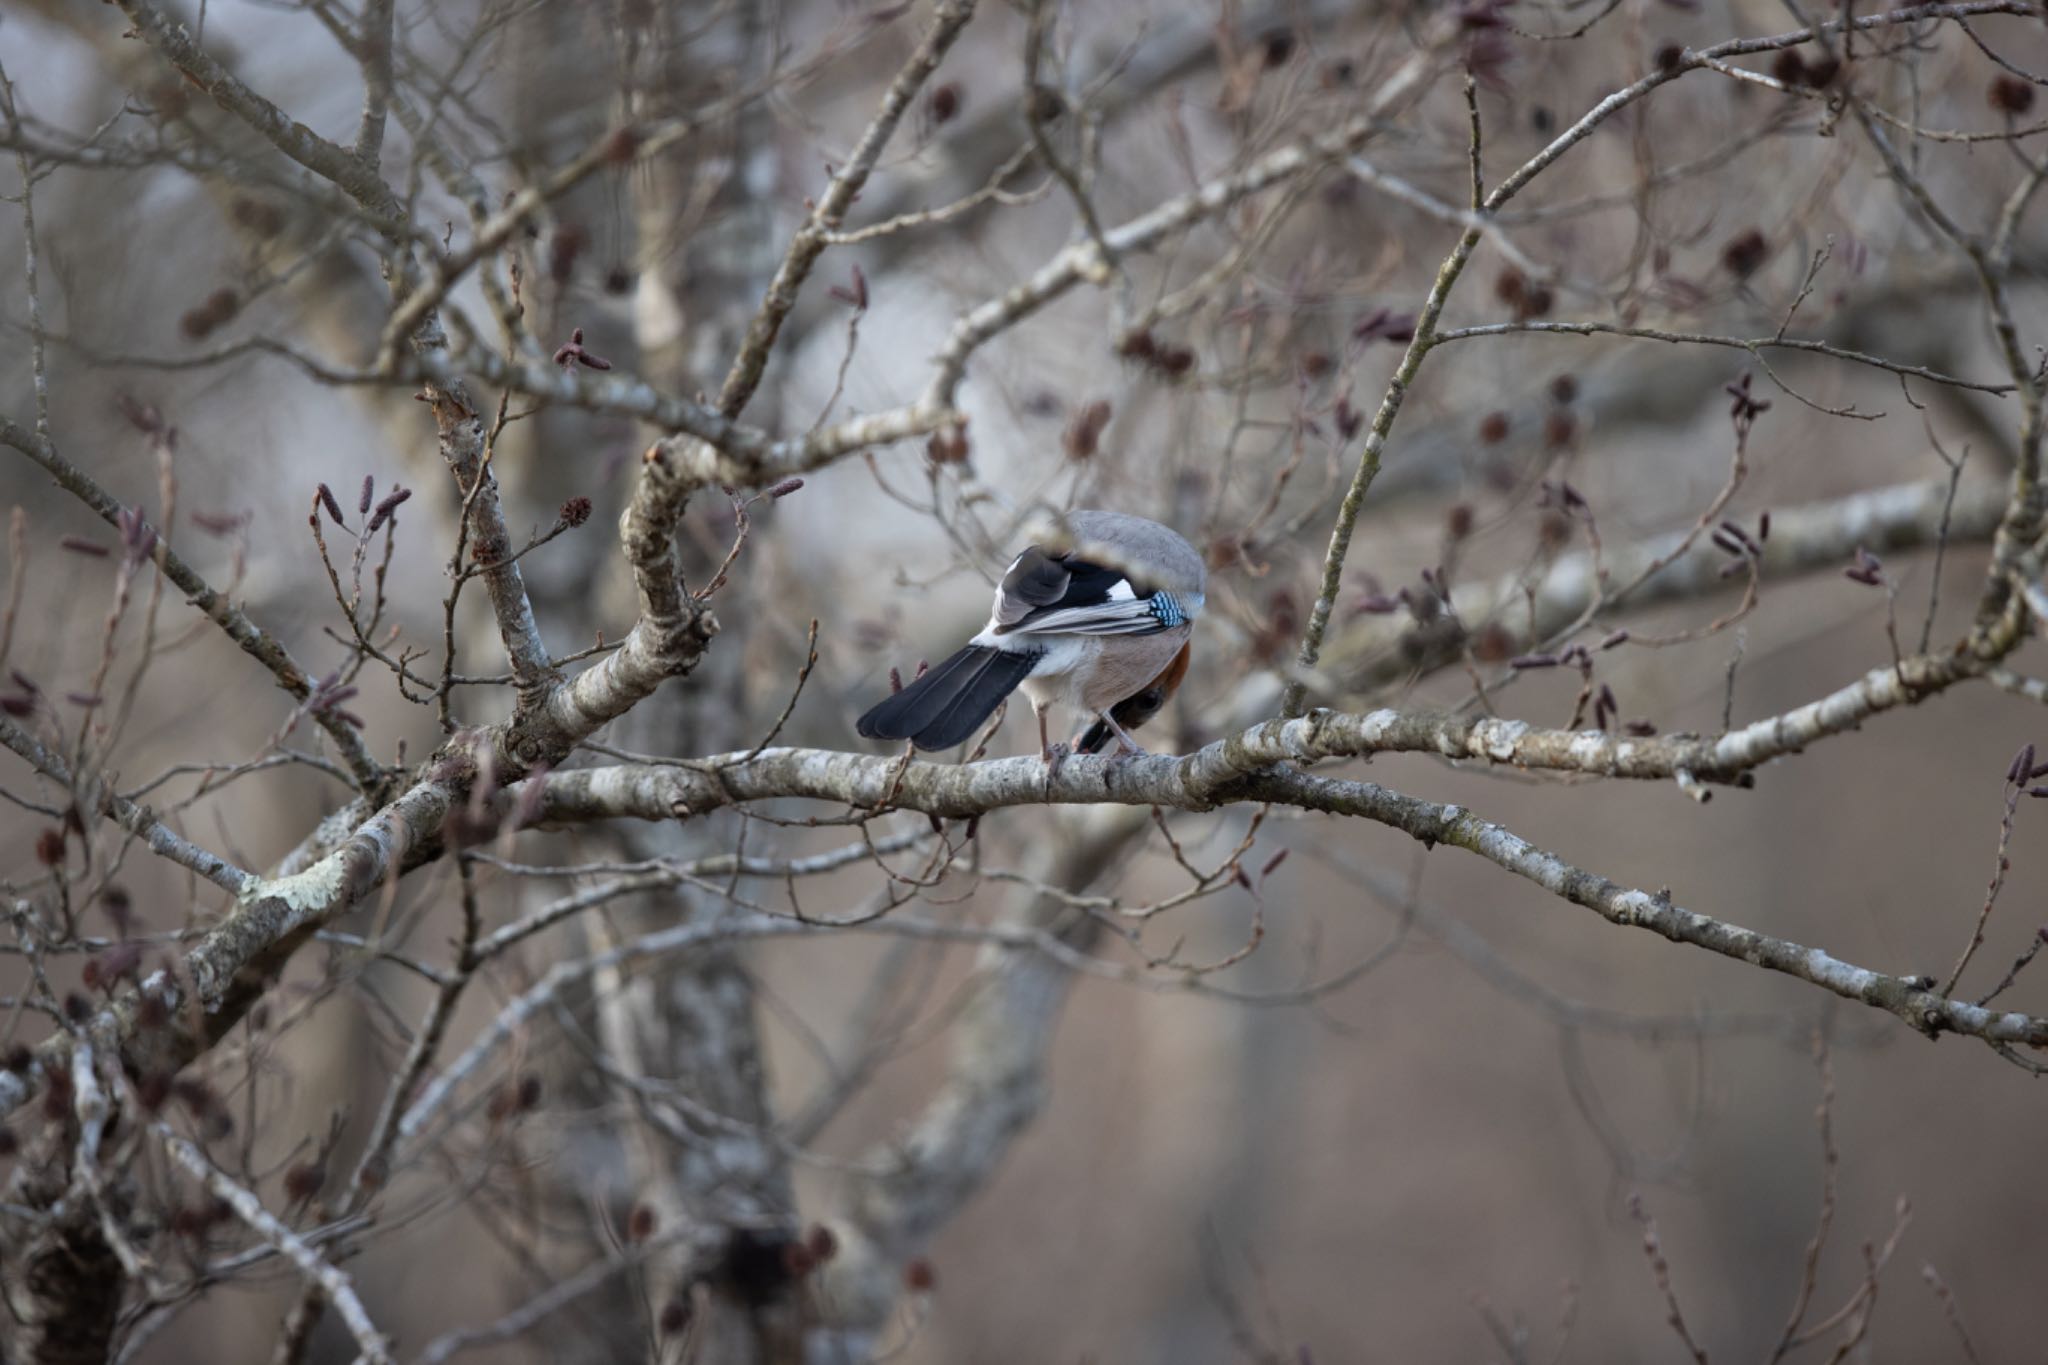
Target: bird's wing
x,y
1035,582
1066,595
1131,616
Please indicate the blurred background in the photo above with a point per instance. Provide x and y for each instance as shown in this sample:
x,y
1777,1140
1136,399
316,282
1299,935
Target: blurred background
x,y
1409,1124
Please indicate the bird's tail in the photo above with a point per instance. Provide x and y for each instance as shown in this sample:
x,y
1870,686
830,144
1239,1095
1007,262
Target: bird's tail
x,y
1096,739
950,702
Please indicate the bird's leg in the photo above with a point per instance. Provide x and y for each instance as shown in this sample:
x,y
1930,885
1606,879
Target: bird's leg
x,y
1123,736
1049,753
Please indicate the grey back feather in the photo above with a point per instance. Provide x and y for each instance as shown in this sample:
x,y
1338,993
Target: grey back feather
x,y
1144,550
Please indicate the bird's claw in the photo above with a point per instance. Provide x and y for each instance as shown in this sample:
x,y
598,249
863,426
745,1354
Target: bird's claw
x,y
1053,755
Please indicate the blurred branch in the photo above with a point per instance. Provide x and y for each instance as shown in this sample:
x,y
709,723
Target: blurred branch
x,y
353,174
810,241
722,452
1487,225
671,874
518,1014
1496,966
1082,261
1535,604
625,145
1424,337
521,1321
2022,525
2019,684
739,455
1420,339
1119,73
1753,345
375,46
137,820
333,1281
265,649
1627,388
466,449
993,1088
65,1283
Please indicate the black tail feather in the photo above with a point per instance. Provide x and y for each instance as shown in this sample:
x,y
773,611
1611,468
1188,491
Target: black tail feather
x,y
1096,739
949,702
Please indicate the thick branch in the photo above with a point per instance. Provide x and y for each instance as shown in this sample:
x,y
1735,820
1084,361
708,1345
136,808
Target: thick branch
x,y
174,1017
1214,775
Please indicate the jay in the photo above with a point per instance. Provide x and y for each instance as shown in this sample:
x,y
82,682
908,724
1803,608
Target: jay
x,y
1097,621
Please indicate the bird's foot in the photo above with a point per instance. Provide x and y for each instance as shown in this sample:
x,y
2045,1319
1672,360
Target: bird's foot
x,y
1053,755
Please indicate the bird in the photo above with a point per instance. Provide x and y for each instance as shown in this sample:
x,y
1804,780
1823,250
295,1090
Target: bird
x,y
1098,618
